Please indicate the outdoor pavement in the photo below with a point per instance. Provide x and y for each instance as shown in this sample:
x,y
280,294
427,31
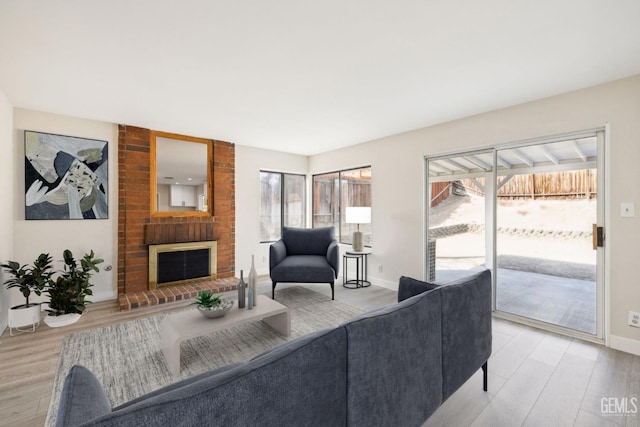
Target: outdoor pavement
x,y
561,301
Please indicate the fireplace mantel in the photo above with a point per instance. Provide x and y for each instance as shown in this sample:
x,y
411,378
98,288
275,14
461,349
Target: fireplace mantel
x,y
199,230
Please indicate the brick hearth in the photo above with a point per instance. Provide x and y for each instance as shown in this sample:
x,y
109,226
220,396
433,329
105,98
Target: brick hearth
x,y
133,300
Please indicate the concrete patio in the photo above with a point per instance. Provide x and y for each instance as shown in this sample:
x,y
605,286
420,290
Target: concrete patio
x,y
566,302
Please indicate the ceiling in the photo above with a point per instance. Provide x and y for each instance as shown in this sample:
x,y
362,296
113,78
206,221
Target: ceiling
x,y
306,76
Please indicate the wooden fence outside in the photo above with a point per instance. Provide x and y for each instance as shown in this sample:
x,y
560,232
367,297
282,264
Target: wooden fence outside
x,y
551,185
439,192
558,185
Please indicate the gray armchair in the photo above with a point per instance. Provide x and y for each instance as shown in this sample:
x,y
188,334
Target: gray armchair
x,y
304,255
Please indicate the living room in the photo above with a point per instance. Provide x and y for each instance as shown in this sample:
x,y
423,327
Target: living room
x,y
605,99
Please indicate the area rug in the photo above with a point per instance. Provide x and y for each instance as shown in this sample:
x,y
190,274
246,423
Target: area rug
x,y
127,359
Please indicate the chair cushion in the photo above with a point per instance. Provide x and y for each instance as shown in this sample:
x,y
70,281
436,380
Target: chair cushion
x,y
303,269
307,241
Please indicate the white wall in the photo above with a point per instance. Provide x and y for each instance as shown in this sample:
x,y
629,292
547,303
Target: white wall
x,y
398,189
7,177
249,163
80,236
397,204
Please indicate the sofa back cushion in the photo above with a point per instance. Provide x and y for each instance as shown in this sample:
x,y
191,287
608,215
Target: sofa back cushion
x,y
466,328
408,287
394,374
307,241
299,383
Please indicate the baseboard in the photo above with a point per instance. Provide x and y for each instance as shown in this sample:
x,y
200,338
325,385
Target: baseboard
x,y
384,283
103,296
4,323
374,281
624,344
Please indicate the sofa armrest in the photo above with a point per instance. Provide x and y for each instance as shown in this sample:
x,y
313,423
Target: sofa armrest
x,y
466,328
408,287
333,256
82,398
277,252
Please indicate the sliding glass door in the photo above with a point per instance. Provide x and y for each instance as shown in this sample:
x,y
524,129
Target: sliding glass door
x,y
547,203
457,222
530,212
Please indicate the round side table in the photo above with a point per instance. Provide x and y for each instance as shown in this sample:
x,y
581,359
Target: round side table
x,y
361,269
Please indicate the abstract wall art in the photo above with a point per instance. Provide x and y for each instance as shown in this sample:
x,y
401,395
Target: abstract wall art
x,y
66,177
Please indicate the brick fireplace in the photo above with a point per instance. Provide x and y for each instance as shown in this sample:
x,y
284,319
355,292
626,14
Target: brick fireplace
x,y
137,229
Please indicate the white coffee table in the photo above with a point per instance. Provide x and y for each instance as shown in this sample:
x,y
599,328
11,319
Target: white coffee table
x,y
181,326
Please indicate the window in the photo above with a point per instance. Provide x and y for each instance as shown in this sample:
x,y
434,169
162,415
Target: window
x,y
333,193
282,203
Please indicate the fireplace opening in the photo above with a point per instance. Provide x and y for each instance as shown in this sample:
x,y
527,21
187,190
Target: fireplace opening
x,y
173,264
182,265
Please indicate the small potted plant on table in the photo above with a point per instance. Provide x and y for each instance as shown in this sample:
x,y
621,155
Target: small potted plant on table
x,y
28,279
210,306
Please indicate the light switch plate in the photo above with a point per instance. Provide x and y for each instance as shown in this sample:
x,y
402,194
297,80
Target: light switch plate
x,y
627,210
634,319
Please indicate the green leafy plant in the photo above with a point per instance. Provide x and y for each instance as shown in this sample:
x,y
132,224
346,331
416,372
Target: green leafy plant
x,y
206,299
30,278
67,294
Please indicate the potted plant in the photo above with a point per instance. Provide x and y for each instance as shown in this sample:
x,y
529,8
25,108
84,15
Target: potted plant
x,y
211,306
28,279
67,294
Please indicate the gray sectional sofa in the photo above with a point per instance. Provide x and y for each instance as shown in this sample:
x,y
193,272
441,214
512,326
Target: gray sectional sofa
x,y
391,366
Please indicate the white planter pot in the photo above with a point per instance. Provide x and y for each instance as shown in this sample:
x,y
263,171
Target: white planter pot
x,y
62,320
20,316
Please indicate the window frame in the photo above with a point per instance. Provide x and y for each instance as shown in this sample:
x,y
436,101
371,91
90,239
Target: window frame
x,y
341,208
283,176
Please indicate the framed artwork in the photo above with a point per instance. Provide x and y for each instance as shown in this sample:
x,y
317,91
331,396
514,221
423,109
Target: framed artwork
x,y
66,177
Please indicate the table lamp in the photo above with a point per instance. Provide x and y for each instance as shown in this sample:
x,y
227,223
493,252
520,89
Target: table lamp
x,y
358,215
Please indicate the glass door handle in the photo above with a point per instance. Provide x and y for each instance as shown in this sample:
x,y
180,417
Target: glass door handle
x,y
598,237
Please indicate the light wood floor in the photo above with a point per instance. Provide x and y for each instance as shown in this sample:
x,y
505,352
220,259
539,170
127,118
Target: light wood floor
x,y
536,378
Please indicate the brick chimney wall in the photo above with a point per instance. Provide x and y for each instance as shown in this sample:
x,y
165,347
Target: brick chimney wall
x,y
134,212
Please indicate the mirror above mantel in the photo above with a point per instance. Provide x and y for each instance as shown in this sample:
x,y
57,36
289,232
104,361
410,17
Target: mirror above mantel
x,y
181,178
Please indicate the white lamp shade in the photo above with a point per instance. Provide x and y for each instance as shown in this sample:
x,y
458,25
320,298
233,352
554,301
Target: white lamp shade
x,y
358,215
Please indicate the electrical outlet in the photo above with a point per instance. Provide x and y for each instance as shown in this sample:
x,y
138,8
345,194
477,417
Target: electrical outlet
x,y
264,259
634,319
380,268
